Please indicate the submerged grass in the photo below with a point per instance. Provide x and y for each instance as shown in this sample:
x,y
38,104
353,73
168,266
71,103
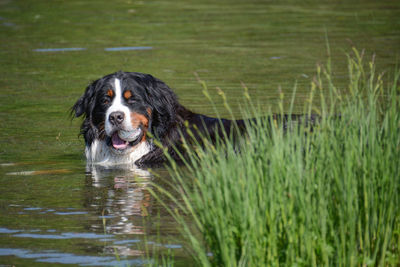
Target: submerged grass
x,y
326,198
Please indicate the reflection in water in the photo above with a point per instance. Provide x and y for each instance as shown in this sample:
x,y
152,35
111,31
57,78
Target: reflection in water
x,y
122,201
55,257
115,216
127,48
119,196
67,49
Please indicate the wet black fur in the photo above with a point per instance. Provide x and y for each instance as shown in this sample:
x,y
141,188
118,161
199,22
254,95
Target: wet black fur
x,y
166,119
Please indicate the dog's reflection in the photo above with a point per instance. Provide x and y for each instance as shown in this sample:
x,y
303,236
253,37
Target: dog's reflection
x,y
120,197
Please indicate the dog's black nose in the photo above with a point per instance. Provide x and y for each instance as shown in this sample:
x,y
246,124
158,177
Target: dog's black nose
x,y
116,117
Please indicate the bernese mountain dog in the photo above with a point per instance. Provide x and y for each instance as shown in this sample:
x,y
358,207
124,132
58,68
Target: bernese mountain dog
x,y
125,112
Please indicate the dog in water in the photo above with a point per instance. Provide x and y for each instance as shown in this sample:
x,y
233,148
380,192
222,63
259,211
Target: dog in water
x,y
124,111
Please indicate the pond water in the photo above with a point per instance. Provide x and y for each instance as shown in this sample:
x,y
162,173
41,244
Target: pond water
x,y
51,210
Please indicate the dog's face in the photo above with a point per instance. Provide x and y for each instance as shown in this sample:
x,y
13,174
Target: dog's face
x,y
126,116
121,108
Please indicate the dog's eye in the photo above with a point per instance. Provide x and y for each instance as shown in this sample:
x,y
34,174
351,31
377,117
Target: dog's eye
x,y
131,100
106,101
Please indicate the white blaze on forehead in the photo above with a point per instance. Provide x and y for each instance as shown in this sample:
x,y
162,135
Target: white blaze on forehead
x,y
117,105
117,86
118,93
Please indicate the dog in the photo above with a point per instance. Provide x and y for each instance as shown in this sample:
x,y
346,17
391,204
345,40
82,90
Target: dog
x,y
125,112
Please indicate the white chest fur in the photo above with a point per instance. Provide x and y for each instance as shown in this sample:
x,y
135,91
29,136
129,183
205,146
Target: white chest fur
x,y
101,154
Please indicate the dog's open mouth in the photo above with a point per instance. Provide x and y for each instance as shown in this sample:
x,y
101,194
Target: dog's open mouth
x,y
121,140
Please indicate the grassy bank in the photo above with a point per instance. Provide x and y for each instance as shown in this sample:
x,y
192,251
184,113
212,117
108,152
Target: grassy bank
x,y
329,198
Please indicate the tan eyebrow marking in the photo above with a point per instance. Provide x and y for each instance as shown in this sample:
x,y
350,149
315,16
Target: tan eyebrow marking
x,y
110,93
127,94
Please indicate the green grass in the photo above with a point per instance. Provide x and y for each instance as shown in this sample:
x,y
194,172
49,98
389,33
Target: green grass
x,y
327,198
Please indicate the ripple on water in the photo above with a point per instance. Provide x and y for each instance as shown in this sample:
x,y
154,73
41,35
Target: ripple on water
x,y
52,256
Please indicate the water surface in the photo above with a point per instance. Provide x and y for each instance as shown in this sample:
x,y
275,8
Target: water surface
x,y
52,211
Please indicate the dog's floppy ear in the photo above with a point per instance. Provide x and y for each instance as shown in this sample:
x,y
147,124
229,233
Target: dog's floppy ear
x,y
79,107
82,106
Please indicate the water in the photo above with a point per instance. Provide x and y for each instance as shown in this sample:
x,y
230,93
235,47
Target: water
x,y
51,210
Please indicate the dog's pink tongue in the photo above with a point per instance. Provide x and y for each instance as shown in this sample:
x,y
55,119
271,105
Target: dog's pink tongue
x,y
118,143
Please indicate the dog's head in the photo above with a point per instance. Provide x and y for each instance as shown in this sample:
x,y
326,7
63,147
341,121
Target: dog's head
x,y
122,107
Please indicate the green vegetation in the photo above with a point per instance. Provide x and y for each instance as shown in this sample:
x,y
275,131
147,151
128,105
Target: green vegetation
x,y
326,198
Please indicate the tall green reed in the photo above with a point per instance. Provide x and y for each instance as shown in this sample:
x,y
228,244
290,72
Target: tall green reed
x,y
329,197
